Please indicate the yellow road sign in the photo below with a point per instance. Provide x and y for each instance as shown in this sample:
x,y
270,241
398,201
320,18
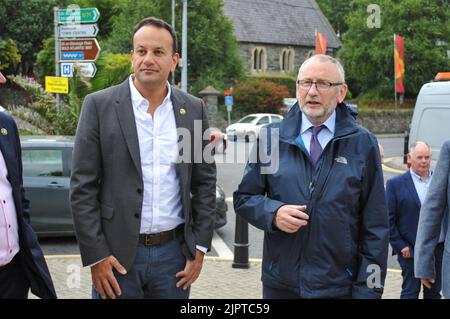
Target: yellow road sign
x,y
56,85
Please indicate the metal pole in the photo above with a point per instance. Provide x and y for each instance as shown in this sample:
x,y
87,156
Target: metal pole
x,y
241,244
173,26
184,54
55,23
229,118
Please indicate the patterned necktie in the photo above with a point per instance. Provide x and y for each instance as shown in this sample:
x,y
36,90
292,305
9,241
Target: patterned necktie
x,y
315,149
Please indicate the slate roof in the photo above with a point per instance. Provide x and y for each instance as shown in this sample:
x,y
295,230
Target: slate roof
x,y
289,22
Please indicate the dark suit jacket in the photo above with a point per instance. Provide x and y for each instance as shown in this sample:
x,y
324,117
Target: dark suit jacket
x,y
30,253
404,207
106,182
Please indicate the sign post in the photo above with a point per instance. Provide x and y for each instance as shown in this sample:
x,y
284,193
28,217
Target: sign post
x,y
229,104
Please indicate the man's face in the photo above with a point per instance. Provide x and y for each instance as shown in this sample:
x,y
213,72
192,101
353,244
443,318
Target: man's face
x,y
420,159
319,104
152,58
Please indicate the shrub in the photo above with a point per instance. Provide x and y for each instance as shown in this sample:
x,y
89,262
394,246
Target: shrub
x,y
259,96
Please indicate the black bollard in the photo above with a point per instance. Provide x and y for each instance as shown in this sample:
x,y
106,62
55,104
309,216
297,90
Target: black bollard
x,y
405,147
241,244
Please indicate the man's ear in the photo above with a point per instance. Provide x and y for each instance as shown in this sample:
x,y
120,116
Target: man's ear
x,y
175,59
342,93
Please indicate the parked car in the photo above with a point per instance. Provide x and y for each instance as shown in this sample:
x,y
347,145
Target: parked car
x,y
218,140
249,126
47,161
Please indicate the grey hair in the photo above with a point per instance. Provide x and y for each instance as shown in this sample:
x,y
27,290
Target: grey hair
x,y
413,147
325,58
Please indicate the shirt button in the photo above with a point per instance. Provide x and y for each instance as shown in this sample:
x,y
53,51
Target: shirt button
x,y
10,251
9,226
4,201
139,190
137,215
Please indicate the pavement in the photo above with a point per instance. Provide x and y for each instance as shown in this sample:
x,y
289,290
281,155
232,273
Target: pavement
x,y
218,280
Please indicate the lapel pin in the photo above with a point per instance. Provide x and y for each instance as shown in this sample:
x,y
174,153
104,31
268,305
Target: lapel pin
x,y
4,131
182,111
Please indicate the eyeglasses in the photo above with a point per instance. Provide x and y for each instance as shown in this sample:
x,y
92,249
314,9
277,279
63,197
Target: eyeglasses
x,y
320,85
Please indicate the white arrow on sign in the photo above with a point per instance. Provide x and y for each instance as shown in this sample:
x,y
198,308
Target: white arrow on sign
x,y
78,31
86,69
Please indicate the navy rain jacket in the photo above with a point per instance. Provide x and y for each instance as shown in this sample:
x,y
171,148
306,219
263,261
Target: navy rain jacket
x,y
343,250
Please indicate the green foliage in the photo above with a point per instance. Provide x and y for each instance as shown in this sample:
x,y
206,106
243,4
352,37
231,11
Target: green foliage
x,y
368,53
129,13
45,62
258,95
111,70
281,79
27,23
336,13
9,54
213,56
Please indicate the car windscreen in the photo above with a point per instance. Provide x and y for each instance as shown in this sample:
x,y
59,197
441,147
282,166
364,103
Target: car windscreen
x,y
247,119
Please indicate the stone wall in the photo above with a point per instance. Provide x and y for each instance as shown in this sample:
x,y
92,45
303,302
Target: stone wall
x,y
386,121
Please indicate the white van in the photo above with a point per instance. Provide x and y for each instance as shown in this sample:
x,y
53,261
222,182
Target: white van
x,y
431,119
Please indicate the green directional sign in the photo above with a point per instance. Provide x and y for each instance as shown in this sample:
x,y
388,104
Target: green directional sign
x,y
77,16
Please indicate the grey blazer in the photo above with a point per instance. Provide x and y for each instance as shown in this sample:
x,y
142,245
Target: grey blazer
x,y
432,215
106,186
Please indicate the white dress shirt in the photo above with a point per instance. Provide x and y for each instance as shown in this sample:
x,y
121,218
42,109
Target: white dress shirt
x,y
421,185
158,148
9,230
324,136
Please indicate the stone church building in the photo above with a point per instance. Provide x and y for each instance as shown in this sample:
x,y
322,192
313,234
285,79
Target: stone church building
x,y
276,36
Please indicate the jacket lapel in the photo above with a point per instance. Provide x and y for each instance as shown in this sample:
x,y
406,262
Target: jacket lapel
x,y
182,120
411,188
125,115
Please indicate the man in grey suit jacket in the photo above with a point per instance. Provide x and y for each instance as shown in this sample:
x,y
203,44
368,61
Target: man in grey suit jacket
x,y
434,226
143,212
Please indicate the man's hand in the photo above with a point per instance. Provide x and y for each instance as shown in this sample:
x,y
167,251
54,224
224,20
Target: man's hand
x,y
427,282
289,218
191,271
406,252
103,278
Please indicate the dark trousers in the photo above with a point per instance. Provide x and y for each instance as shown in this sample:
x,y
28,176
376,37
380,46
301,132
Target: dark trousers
x,y
411,284
14,283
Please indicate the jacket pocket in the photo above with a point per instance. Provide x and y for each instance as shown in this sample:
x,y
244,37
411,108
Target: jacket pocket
x,y
106,212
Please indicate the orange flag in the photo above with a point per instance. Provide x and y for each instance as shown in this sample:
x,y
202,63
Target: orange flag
x,y
399,62
321,43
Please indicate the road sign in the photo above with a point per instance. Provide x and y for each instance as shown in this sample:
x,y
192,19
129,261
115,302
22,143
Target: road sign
x,y
55,84
77,16
229,102
78,31
79,50
87,70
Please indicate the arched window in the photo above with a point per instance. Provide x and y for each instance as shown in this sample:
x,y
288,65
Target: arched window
x,y
259,59
287,60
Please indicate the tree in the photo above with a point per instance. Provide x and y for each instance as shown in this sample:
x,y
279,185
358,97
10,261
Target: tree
x,y
213,56
336,13
368,52
27,23
9,54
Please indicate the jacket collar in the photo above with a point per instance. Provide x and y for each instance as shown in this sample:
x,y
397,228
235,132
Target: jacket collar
x,y
291,125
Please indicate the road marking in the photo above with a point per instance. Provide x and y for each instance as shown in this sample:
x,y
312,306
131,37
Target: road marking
x,y
229,199
220,247
390,169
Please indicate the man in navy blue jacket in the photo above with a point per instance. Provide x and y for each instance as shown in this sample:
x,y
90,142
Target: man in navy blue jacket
x,y
405,194
322,204
22,263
